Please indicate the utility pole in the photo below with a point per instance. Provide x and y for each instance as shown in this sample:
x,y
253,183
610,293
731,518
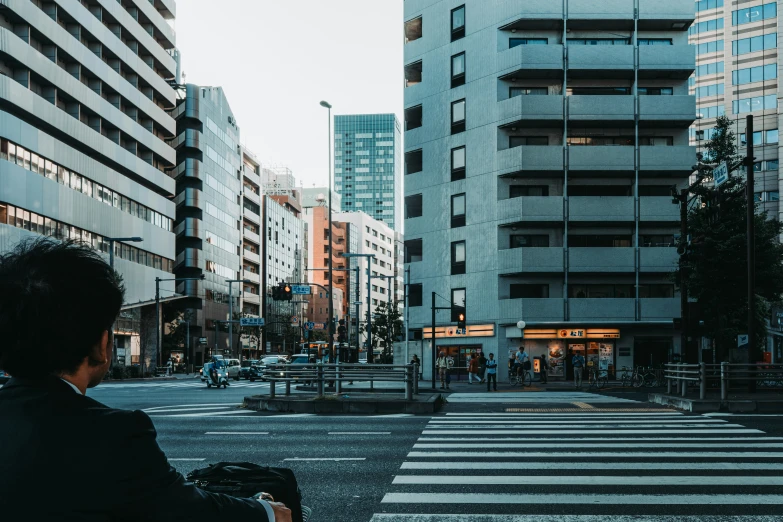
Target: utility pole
x,y
686,349
751,233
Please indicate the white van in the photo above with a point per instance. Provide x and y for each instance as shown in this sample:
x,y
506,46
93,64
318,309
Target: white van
x,y
233,367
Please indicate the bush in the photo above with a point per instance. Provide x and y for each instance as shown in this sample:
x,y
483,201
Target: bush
x,y
119,372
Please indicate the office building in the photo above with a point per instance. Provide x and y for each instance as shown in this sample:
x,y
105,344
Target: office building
x,y
209,163
83,128
252,288
367,165
541,142
736,76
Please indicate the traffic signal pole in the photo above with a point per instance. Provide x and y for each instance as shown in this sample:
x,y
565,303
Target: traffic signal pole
x,y
750,189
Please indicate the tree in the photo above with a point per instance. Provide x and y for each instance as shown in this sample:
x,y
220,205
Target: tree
x,y
174,339
715,262
387,327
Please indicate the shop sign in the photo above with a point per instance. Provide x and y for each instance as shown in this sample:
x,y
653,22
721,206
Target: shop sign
x,y
472,330
571,334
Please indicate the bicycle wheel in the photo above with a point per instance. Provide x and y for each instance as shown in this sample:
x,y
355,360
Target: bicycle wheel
x,y
591,382
527,380
602,381
637,380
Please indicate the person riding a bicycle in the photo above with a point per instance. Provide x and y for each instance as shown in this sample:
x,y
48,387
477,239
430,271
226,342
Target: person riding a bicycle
x,y
522,361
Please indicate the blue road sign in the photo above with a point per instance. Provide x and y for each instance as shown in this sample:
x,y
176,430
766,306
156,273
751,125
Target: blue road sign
x,y
300,289
251,321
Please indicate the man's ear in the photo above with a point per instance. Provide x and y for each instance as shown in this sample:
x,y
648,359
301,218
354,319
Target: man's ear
x,y
100,353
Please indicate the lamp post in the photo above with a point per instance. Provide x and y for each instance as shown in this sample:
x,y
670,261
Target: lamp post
x,y
111,240
158,337
231,315
330,327
369,315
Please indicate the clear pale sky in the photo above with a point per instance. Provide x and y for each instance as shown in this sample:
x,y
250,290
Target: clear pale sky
x,y
277,59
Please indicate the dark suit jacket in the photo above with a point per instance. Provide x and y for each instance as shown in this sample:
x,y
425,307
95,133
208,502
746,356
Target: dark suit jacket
x,y
67,457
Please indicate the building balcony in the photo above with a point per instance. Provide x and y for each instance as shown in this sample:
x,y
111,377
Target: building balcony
x,y
658,209
251,196
601,108
250,256
542,61
609,61
667,111
658,259
189,258
530,310
252,236
600,209
190,227
519,260
531,111
533,208
251,216
601,259
251,298
673,161
659,309
251,276
601,309
611,159
531,158
667,61
189,197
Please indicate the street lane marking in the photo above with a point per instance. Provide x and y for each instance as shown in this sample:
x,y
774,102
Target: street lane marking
x,y
186,460
525,415
410,517
581,480
595,454
192,409
578,466
581,421
236,433
359,433
325,458
599,445
594,439
205,414
588,432
571,498
191,405
438,427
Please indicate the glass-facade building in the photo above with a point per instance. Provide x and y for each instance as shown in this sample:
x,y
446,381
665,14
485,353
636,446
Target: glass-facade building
x,y
367,171
208,213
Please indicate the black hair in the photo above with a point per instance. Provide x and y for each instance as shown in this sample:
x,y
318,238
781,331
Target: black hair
x,y
56,300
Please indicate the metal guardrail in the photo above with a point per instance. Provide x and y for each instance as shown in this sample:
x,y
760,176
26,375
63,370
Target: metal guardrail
x,y
679,376
337,374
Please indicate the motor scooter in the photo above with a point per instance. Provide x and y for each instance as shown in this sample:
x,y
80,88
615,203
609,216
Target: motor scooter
x,y
216,374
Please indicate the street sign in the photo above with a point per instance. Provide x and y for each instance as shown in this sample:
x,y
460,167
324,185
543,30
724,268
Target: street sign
x,y
309,325
202,340
720,174
294,321
742,339
300,289
251,321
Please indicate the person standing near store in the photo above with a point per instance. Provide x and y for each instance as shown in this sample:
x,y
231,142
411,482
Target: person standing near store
x,y
543,369
492,371
442,365
482,367
578,362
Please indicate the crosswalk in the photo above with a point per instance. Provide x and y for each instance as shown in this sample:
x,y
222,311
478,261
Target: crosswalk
x,y
534,398
605,465
177,384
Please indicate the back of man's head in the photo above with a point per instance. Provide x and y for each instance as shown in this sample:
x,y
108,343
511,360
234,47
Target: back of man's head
x,y
56,300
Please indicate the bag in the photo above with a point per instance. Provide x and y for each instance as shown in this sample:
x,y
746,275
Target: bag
x,y
526,365
244,480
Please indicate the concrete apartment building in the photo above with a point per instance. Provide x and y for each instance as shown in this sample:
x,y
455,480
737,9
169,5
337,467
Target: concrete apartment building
x,y
252,289
737,75
83,135
367,165
208,212
541,141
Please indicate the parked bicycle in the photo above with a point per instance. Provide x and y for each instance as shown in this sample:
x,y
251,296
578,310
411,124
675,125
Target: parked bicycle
x,y
597,378
650,377
631,379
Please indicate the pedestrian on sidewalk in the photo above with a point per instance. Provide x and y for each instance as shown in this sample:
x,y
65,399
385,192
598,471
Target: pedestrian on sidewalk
x,y
417,365
442,367
482,367
492,371
578,362
473,365
544,368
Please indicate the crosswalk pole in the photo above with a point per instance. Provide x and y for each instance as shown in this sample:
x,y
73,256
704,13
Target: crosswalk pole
x,y
702,380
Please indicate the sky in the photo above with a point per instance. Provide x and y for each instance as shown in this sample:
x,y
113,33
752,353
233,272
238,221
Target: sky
x,y
277,59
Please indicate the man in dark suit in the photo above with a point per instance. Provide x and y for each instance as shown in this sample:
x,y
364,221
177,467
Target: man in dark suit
x,y
65,456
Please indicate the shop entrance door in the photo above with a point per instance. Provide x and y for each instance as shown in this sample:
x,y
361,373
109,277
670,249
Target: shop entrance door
x,y
460,355
574,349
652,351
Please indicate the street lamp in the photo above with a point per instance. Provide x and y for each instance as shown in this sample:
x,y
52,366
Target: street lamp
x,y
111,241
330,327
231,314
158,337
369,316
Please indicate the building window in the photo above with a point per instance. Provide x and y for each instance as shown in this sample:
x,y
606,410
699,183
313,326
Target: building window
x,y
413,206
413,118
458,163
457,302
458,116
656,91
521,141
755,43
413,30
457,210
529,240
457,70
413,250
414,162
529,291
515,42
754,14
757,103
458,258
458,23
601,291
600,241
527,91
520,191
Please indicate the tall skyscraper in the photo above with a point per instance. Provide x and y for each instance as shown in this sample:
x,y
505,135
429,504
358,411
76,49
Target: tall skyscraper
x,y
542,139
367,166
83,130
736,75
209,161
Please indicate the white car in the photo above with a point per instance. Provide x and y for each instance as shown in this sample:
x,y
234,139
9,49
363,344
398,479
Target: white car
x,y
233,367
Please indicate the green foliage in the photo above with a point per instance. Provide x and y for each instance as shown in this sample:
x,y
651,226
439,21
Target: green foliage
x,y
715,264
387,326
175,340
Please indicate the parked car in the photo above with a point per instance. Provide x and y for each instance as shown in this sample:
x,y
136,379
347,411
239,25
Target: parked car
x,y
265,362
245,368
233,366
4,377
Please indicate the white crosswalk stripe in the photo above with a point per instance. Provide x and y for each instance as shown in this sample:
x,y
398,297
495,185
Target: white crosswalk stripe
x,y
535,398
173,384
587,467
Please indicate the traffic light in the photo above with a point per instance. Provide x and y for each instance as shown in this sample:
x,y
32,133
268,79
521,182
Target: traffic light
x,y
461,317
276,293
287,292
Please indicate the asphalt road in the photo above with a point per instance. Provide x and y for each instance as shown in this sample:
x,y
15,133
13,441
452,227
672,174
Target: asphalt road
x,y
505,457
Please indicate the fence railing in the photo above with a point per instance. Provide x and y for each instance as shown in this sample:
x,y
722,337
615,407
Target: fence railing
x,y
336,374
680,376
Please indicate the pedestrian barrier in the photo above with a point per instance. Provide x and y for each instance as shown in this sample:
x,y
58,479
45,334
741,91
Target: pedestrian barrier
x,y
336,374
703,375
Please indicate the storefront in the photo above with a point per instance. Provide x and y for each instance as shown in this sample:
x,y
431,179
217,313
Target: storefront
x,y
596,345
459,344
